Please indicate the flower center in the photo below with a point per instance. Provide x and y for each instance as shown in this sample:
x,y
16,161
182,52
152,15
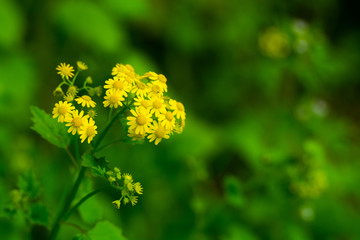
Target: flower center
x,y
62,110
118,85
114,99
90,130
65,70
145,103
141,120
156,89
160,132
157,104
86,98
162,78
169,116
180,107
141,85
77,122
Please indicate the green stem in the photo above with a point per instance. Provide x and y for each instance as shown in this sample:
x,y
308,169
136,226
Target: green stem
x,y
70,197
106,129
77,152
55,230
109,144
76,74
110,114
62,83
66,81
73,209
72,157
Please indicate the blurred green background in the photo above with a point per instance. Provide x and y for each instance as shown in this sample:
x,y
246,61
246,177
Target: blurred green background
x,y
271,90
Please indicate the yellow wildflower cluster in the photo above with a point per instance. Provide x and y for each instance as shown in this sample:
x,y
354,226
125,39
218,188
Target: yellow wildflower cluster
x,y
153,114
75,117
308,177
126,185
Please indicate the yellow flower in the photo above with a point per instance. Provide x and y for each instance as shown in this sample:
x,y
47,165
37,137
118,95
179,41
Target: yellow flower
x,y
129,67
159,78
119,68
168,120
130,187
142,102
179,126
75,121
62,110
72,90
89,80
134,200
124,71
58,92
69,97
91,113
111,179
118,84
151,75
155,90
127,178
81,66
138,188
88,130
158,106
140,121
118,173
178,108
117,203
157,133
113,98
126,200
85,100
65,70
139,89
135,137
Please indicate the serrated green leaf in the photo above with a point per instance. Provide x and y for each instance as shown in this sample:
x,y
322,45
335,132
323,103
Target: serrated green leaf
x,y
88,160
39,214
105,231
49,128
28,184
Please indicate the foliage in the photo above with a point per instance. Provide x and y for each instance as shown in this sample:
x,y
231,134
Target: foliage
x,y
49,128
271,144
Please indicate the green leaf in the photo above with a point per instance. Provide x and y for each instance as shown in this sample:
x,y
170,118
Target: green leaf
x,y
39,214
88,160
49,128
28,184
98,166
81,237
89,210
105,231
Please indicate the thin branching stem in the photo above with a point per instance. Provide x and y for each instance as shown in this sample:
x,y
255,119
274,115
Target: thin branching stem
x,y
71,157
86,197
